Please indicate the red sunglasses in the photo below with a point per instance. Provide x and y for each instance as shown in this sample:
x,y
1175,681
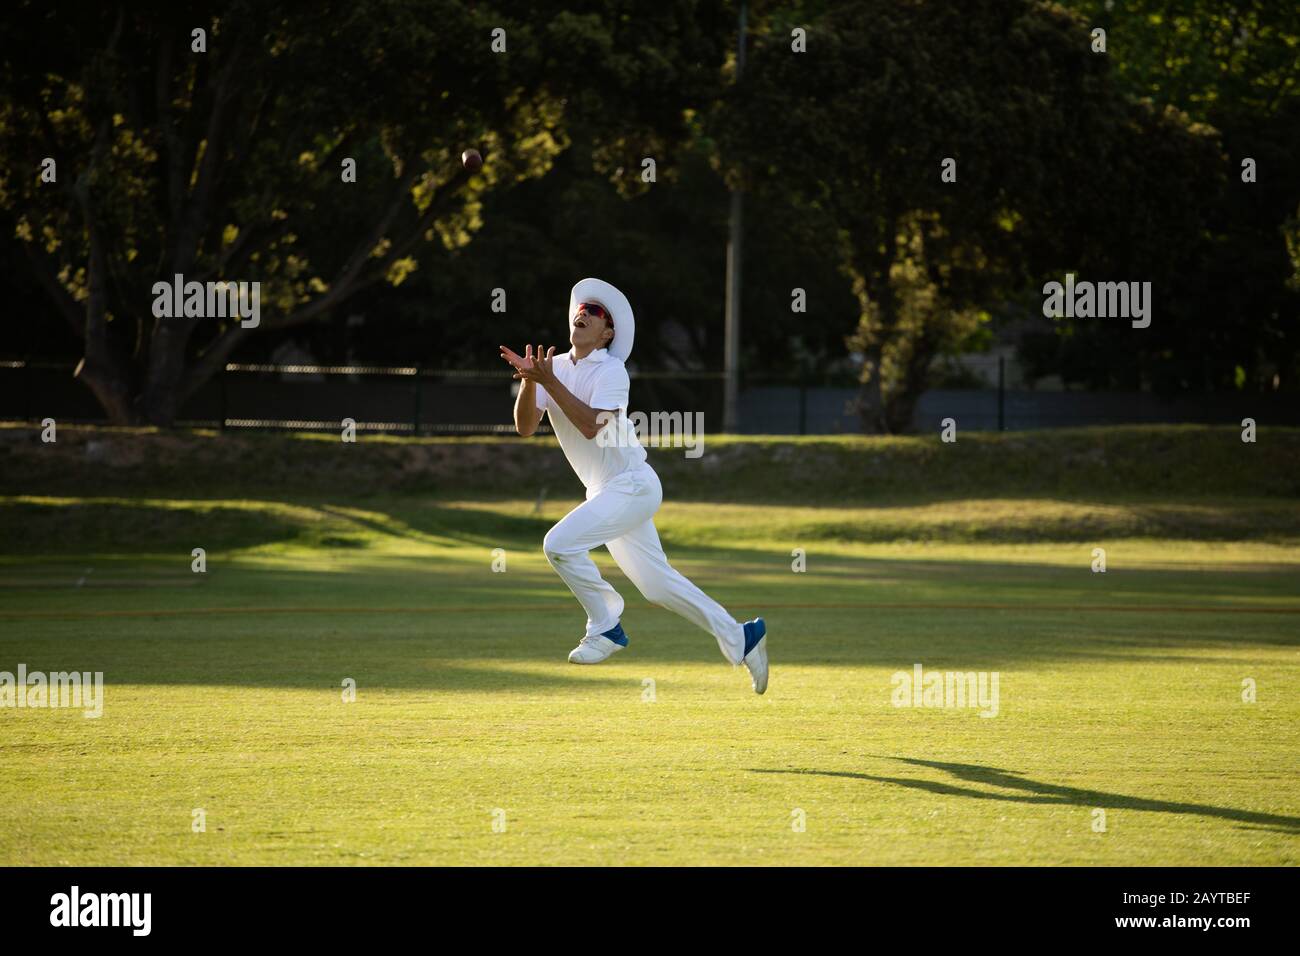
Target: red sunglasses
x,y
596,309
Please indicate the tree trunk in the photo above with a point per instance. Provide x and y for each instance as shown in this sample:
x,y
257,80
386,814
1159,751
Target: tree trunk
x,y
103,368
871,399
897,413
912,383
872,265
110,387
160,400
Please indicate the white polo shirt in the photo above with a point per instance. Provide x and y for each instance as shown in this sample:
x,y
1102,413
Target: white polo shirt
x,y
601,381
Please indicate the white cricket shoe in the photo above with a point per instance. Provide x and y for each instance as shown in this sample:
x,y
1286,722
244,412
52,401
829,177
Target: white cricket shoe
x,y
593,650
756,660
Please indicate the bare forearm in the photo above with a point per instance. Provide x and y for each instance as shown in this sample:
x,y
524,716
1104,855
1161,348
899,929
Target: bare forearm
x,y
526,415
583,416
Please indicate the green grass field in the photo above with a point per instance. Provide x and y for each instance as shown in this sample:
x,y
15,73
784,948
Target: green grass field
x,y
1119,692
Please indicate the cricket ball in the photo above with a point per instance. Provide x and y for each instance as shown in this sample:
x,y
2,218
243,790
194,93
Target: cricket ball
x,y
471,160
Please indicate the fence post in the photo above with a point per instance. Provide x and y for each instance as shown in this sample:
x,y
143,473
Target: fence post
x,y
221,394
1002,392
415,425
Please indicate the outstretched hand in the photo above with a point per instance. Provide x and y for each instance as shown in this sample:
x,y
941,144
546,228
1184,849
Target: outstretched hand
x,y
532,366
517,360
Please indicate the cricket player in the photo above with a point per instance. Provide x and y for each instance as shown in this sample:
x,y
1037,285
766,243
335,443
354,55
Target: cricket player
x,y
585,391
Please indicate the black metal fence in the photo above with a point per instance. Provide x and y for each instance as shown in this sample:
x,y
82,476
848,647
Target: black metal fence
x,y
414,400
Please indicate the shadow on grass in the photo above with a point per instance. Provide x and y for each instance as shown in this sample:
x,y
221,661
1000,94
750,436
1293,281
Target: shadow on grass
x,y
502,646
465,525
1025,790
74,528
140,525
128,524
398,614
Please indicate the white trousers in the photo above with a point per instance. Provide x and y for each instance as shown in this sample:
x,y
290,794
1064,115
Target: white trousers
x,y
620,515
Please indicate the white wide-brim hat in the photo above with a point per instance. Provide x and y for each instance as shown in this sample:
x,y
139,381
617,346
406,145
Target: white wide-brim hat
x,y
598,290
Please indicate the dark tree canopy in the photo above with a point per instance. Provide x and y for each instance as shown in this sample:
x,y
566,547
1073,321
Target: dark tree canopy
x,y
1055,168
225,164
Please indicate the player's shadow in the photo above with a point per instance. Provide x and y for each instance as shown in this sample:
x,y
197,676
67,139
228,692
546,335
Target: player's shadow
x,y
434,523
1025,790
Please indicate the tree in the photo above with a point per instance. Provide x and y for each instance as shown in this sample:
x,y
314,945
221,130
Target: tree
x,y
856,132
1233,313
219,157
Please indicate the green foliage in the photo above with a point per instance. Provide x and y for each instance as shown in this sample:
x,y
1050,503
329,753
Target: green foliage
x,y
226,164
855,131
1117,166
1225,301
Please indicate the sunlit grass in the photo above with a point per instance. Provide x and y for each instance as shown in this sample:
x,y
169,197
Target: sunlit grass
x,y
1120,692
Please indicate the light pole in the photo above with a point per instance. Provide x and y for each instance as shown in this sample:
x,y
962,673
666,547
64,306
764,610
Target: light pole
x,y
731,341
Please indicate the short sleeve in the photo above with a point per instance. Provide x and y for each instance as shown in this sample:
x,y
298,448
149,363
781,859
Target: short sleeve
x,y
612,388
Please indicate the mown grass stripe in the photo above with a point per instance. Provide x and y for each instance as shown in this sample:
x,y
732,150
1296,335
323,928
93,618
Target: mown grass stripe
x,y
567,607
